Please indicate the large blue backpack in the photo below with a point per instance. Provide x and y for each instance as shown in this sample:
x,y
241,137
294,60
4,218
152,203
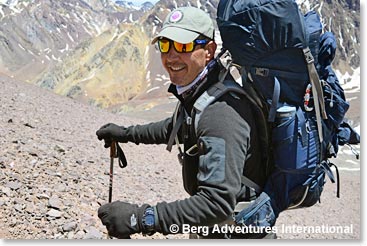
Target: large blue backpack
x,y
281,62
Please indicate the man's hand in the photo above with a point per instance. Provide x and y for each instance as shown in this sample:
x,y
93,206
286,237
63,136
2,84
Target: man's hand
x,y
112,132
122,219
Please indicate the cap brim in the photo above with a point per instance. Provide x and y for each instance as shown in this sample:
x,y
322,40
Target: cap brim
x,y
180,35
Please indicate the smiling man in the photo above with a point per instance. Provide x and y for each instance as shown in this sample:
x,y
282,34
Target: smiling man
x,y
185,52
218,150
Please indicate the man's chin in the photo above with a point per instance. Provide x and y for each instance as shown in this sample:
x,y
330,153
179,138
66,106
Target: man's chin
x,y
177,82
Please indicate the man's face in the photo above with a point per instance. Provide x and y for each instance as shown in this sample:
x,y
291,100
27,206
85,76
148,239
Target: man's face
x,y
184,67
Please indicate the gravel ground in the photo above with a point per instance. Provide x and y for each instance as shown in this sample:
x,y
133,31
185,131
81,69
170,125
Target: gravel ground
x,y
54,174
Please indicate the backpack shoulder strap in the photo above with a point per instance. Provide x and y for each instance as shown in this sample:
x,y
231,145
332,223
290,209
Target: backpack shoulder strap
x,y
213,94
236,86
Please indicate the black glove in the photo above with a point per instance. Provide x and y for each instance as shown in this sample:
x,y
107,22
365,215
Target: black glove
x,y
112,132
122,219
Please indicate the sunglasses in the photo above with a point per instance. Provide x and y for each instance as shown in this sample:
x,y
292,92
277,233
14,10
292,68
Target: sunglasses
x,y
164,45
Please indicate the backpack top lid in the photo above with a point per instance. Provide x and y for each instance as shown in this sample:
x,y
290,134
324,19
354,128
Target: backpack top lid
x,y
252,29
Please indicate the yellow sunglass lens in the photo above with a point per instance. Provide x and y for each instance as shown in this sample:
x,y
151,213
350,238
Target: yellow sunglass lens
x,y
164,45
184,47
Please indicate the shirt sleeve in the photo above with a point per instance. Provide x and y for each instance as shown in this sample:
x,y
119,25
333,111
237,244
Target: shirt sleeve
x,y
152,133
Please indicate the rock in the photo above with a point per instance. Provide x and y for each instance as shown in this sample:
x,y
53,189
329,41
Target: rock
x,y
53,213
79,235
55,202
43,196
28,125
13,222
70,235
31,208
14,185
18,207
71,226
33,162
6,191
93,233
59,148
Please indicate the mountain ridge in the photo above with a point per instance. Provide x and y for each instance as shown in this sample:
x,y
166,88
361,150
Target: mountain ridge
x,y
45,42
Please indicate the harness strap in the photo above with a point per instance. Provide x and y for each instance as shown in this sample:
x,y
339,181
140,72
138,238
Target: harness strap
x,y
265,72
177,121
214,93
208,97
236,75
251,184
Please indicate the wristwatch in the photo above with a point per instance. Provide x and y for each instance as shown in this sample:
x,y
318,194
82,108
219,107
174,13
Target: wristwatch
x,y
148,221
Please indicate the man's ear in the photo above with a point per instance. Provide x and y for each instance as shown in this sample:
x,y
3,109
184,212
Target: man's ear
x,y
211,47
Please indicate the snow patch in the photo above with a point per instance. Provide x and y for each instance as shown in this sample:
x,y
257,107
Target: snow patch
x,y
89,77
65,49
351,83
21,46
131,17
121,34
152,89
70,37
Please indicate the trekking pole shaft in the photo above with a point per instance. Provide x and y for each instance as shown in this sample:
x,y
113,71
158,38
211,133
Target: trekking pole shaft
x,y
112,156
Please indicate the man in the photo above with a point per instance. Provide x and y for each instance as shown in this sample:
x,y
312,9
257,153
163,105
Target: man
x,y
216,154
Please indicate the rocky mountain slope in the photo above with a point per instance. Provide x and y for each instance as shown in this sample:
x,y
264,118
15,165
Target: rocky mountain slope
x,y
99,51
81,49
54,173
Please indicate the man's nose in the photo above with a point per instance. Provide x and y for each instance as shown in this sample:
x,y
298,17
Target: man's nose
x,y
172,54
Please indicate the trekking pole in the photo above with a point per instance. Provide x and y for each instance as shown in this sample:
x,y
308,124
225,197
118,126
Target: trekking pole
x,y
113,155
115,152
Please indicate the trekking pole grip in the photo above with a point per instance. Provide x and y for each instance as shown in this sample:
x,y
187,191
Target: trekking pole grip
x,y
113,150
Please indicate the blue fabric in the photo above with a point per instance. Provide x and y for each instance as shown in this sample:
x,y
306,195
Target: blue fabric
x,y
267,38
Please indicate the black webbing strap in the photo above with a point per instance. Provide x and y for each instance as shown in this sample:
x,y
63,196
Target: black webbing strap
x,y
121,156
326,166
265,72
251,184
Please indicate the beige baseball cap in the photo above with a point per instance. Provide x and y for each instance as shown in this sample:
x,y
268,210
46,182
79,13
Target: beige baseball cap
x,y
185,24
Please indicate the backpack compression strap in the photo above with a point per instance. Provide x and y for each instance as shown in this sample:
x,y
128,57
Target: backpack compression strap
x,y
316,91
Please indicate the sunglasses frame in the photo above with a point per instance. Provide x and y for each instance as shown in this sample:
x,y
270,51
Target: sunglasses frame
x,y
172,43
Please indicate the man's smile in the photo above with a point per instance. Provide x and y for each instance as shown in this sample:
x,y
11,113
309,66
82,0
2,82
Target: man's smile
x,y
176,68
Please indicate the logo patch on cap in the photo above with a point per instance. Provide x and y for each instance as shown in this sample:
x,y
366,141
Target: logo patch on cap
x,y
176,16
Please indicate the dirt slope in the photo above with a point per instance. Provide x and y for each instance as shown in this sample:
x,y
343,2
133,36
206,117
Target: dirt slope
x,y
54,173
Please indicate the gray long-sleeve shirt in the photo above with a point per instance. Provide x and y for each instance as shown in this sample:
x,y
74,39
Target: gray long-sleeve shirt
x,y
227,144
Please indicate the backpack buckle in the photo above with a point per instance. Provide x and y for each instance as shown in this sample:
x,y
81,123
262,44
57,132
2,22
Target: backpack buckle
x,y
262,71
308,55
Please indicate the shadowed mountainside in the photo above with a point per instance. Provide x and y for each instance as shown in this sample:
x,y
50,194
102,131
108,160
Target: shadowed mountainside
x,y
99,52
